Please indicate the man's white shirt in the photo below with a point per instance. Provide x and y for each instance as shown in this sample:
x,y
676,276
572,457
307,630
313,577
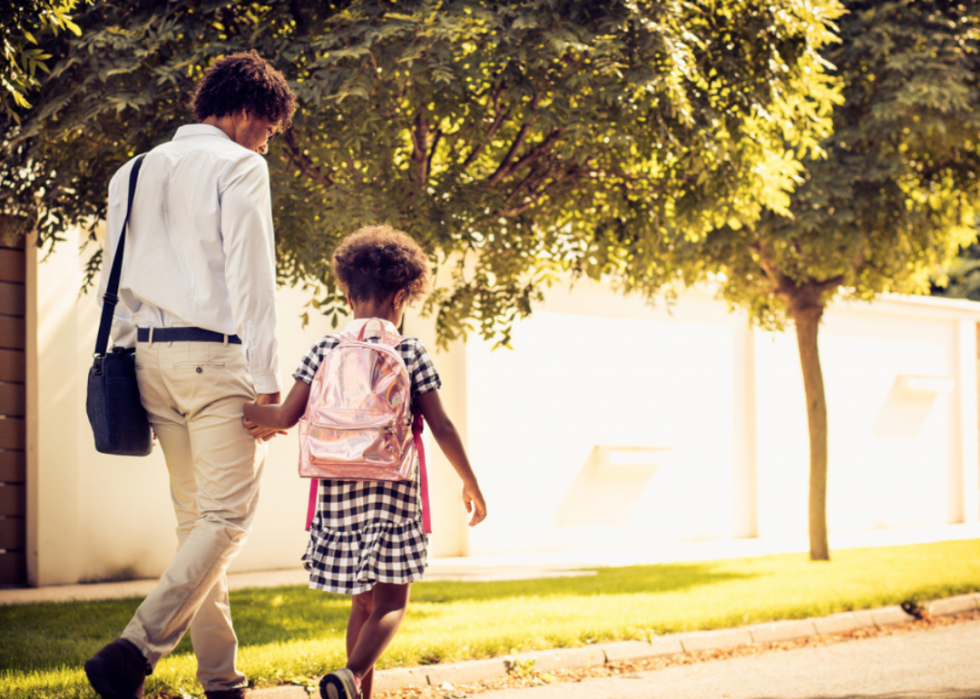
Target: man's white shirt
x,y
200,249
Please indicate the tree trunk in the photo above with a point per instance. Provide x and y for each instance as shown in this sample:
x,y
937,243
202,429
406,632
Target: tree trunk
x,y
806,314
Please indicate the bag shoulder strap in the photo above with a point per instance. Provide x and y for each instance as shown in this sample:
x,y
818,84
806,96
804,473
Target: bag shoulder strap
x,y
386,344
388,339
110,299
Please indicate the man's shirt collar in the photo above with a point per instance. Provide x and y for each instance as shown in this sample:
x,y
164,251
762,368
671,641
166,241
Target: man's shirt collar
x,y
191,130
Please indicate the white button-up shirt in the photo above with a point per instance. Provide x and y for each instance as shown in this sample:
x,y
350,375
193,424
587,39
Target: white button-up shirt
x,y
200,250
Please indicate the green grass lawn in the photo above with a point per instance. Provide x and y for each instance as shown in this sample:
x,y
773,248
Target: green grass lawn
x,y
293,635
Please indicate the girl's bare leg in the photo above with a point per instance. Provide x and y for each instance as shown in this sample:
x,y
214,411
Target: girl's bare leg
x,y
375,617
360,610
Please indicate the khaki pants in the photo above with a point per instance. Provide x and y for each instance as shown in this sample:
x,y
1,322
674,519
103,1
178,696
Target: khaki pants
x,y
193,393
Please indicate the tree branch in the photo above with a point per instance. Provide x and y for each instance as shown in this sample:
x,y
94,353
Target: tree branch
x,y
521,185
304,162
809,294
539,149
420,148
354,172
432,151
766,264
295,9
505,167
535,195
498,121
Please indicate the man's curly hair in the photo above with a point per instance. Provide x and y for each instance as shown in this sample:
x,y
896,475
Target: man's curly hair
x,y
376,261
244,81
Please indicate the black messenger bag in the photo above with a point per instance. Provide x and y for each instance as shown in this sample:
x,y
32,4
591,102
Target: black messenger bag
x,y
113,402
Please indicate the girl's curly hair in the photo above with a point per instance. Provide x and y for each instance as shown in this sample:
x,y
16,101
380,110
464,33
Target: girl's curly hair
x,y
244,81
375,261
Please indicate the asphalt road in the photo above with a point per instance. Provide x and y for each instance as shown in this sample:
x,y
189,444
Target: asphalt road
x,y
938,663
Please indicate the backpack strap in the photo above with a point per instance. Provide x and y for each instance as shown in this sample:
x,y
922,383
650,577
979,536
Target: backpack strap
x,y
417,425
384,333
311,508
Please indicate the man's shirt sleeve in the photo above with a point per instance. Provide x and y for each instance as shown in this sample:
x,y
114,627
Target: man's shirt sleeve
x,y
250,266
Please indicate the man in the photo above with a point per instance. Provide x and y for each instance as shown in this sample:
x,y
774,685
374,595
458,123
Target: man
x,y
197,300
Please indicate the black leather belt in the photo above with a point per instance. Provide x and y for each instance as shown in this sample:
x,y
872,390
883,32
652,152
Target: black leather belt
x,y
184,335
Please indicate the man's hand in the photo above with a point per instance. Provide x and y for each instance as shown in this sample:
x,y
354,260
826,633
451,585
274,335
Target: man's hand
x,y
258,431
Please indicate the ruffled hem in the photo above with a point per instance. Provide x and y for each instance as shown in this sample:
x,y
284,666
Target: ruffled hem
x,y
352,560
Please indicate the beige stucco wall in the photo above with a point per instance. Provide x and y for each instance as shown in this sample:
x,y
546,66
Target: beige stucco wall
x,y
97,517
610,422
708,421
900,378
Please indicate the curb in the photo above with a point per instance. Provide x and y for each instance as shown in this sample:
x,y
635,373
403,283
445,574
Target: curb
x,y
471,671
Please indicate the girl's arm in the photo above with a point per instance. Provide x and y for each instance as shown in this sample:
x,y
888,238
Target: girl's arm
x,y
279,416
446,436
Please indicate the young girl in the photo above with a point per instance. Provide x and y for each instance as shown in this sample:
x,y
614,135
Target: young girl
x,y
366,539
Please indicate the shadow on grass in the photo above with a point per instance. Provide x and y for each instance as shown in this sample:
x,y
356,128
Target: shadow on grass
x,y
45,636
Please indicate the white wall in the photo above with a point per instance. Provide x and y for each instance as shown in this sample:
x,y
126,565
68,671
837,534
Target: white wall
x,y
590,368
98,517
610,422
893,444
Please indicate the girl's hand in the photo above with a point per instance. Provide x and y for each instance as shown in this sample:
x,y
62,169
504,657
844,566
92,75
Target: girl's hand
x,y
260,432
473,500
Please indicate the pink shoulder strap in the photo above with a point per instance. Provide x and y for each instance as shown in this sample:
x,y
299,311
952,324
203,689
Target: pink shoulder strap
x,y
417,425
311,508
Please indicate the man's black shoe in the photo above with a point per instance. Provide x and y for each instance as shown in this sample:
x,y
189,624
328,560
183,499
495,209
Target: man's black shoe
x,y
117,671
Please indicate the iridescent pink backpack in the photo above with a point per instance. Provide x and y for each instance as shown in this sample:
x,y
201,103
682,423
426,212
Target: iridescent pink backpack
x,y
358,424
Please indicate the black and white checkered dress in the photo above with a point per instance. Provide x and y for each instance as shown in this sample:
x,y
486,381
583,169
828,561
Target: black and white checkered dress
x,y
366,532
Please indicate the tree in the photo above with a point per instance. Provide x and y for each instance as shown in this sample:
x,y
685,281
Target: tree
x,y
960,279
890,199
515,138
23,21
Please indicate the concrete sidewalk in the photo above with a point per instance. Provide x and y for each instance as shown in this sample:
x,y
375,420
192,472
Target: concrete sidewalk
x,y
454,674
936,662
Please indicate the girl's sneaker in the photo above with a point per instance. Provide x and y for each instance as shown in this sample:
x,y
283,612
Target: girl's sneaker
x,y
339,684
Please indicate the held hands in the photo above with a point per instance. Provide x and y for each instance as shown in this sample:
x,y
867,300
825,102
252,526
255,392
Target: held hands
x,y
473,500
256,430
260,432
